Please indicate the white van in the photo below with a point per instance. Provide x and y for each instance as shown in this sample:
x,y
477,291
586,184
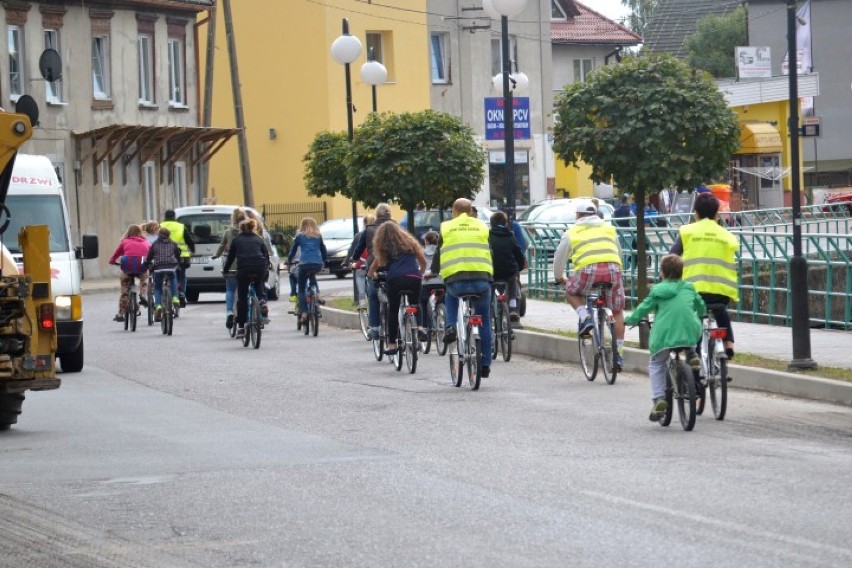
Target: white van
x,y
35,198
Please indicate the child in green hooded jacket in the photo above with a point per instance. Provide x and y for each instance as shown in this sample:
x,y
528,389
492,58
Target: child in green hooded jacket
x,y
677,323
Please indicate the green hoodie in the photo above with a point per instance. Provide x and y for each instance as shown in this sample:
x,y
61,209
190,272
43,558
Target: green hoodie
x,y
677,308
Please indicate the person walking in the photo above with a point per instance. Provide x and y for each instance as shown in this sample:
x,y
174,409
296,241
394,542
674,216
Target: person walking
x,y
248,253
130,255
184,241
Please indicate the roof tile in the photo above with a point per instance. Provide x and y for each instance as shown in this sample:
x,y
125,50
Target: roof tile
x,y
590,27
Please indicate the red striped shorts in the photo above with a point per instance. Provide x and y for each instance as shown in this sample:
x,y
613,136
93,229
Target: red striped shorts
x,y
581,281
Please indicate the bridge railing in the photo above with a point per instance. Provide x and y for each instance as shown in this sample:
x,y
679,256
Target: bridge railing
x,y
763,264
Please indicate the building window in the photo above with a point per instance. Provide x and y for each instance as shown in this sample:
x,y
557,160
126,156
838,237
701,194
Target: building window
x,y
179,184
440,58
177,94
16,62
374,42
53,91
145,45
149,186
382,45
106,173
497,55
582,67
100,67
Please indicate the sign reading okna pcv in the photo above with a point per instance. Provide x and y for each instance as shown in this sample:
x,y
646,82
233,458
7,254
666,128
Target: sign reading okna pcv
x,y
494,118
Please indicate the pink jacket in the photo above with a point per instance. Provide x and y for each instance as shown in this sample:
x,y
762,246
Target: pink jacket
x,y
131,246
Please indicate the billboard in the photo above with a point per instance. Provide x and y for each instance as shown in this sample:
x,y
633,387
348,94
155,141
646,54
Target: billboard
x,y
753,62
494,118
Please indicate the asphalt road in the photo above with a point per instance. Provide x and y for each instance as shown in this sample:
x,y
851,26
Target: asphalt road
x,y
191,450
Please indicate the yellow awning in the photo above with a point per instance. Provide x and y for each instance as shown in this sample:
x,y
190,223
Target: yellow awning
x,y
759,138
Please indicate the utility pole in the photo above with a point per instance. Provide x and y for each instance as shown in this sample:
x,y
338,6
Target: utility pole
x,y
248,193
207,119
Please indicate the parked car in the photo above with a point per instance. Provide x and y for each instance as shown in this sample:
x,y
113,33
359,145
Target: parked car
x,y
558,211
208,224
430,219
838,203
337,236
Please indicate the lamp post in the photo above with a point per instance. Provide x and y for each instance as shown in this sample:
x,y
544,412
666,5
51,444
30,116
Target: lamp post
x,y
798,264
373,73
507,8
345,50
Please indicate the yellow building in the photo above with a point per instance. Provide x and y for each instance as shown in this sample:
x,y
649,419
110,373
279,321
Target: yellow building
x,y
292,88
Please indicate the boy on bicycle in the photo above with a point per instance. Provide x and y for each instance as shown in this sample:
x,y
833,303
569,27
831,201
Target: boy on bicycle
x,y
677,323
163,255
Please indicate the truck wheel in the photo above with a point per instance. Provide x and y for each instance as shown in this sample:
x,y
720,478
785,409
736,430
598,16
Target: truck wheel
x,y
72,362
10,408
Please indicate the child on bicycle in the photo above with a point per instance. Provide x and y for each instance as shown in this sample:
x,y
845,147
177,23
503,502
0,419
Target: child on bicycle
x,y
508,259
251,256
312,257
430,282
132,251
677,323
238,215
164,255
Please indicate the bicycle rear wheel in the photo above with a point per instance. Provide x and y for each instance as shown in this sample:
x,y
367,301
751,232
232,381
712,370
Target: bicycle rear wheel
x,y
411,343
440,329
609,350
400,344
457,361
131,311
150,298
473,360
169,316
588,356
685,392
256,322
365,323
670,382
315,314
506,333
428,323
717,385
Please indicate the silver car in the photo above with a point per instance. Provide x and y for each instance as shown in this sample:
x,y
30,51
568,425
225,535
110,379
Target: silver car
x,y
207,224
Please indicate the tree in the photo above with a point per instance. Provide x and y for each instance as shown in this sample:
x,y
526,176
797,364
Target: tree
x,y
325,170
425,158
713,45
641,12
649,123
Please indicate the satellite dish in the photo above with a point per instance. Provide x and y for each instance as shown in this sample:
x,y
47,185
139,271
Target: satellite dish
x,y
50,65
27,105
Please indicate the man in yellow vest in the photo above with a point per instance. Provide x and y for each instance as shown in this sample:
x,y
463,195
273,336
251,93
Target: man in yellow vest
x,y
709,261
463,259
592,245
184,241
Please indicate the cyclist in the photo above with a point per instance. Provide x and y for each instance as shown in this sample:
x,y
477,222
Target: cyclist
x,y
383,215
183,238
709,260
134,248
400,255
464,260
359,271
592,245
508,258
238,215
312,256
431,281
163,255
677,308
249,254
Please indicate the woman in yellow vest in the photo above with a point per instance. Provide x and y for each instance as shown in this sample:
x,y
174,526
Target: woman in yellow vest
x,y
592,245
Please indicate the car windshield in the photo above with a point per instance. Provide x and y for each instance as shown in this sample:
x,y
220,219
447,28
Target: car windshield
x,y
337,229
36,210
531,212
207,228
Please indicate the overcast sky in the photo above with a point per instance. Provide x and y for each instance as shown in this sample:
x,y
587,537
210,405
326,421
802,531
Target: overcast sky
x,y
612,9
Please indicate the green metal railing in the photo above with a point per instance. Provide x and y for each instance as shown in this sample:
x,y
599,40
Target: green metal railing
x,y
766,246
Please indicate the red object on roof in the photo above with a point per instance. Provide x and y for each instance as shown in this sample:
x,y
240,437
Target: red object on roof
x,y
590,27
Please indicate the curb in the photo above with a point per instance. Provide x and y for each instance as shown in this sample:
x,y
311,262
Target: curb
x,y
565,350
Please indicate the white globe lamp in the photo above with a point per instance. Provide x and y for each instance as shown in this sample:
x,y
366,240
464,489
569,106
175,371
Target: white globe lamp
x,y
346,49
509,8
374,73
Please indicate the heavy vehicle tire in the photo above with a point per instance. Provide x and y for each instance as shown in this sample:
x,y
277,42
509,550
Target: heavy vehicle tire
x,y
10,408
72,362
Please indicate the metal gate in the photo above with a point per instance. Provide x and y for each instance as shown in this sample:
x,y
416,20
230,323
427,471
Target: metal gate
x,y
283,216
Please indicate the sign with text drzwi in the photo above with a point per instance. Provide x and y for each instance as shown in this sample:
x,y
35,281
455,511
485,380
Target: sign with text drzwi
x,y
494,118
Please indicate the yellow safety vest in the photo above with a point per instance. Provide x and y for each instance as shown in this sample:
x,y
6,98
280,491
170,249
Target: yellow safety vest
x,y
593,244
709,258
465,247
176,234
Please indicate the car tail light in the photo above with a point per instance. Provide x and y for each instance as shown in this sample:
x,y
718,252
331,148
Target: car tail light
x,y
46,318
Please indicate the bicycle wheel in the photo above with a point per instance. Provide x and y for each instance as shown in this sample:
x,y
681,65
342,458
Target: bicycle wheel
x,y
411,343
506,332
429,324
127,318
232,331
400,344
364,320
588,356
247,329
150,299
685,392
670,382
256,322
315,314
306,325
440,328
717,385
609,350
169,316
473,360
379,342
131,311
166,296
456,364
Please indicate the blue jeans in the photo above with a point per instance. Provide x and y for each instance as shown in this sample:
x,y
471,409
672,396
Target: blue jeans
x,y
373,307
158,285
481,306
230,292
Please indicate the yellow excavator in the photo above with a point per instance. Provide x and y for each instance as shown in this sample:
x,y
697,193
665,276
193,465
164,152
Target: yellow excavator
x,y
27,312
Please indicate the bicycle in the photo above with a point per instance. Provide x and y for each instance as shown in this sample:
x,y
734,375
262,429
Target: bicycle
x,y
714,364
435,320
380,341
600,347
359,273
680,386
150,299
313,302
467,358
501,323
407,340
170,310
132,311
254,319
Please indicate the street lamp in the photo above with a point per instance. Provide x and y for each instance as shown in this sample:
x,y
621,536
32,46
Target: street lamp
x,y
373,73
345,50
506,9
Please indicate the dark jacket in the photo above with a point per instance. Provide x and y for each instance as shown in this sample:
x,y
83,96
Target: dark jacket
x,y
251,252
163,254
506,254
621,215
366,241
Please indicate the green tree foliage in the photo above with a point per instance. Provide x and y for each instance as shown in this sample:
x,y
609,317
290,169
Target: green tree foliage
x,y
325,169
713,45
641,12
423,158
649,123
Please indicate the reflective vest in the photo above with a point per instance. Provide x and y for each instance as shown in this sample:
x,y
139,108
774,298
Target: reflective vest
x,y
709,258
465,247
176,234
593,244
